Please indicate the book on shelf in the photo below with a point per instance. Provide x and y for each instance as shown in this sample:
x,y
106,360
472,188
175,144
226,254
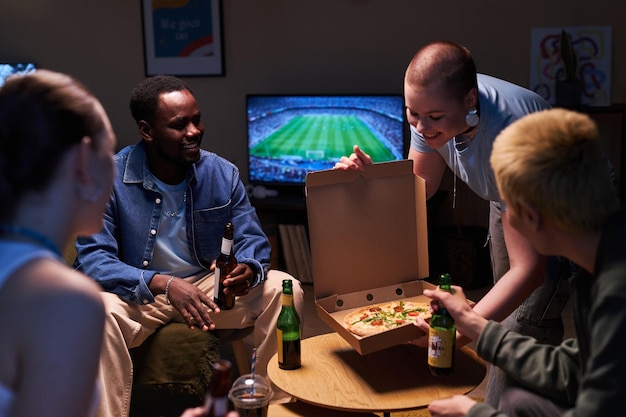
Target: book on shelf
x,y
296,251
304,254
287,249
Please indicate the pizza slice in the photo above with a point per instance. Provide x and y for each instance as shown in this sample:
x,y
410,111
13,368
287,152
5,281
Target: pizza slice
x,y
378,318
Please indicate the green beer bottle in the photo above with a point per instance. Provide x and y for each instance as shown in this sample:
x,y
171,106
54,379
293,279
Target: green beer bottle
x,y
288,331
441,336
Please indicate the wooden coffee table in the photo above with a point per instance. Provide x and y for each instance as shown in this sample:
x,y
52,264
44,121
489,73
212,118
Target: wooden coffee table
x,y
334,375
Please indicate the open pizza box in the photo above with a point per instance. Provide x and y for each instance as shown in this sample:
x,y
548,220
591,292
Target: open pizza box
x,y
369,245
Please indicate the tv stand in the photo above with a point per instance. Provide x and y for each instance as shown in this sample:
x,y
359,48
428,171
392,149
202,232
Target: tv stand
x,y
279,203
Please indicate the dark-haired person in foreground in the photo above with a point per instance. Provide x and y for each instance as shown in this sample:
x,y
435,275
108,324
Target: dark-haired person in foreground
x,y
557,188
56,172
162,233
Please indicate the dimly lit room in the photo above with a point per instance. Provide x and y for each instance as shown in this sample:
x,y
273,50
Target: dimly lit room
x,y
216,143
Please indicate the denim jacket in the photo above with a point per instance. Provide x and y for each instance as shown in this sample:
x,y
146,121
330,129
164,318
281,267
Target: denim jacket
x,y
119,256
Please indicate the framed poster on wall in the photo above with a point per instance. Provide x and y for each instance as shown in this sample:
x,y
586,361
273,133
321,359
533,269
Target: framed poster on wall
x,y
592,46
182,38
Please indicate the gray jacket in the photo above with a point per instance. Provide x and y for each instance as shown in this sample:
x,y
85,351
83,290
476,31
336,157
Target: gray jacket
x,y
588,373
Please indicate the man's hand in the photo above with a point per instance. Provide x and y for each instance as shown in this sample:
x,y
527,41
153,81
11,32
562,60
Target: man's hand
x,y
467,321
192,304
356,161
422,341
457,406
424,326
238,282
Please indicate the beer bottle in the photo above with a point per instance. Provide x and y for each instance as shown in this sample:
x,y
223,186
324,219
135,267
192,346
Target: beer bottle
x,y
224,265
441,336
288,331
216,402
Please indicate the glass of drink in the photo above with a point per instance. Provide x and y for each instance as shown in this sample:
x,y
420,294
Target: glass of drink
x,y
251,395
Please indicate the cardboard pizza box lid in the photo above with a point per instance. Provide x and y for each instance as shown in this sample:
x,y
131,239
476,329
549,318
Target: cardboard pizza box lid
x,y
367,229
369,244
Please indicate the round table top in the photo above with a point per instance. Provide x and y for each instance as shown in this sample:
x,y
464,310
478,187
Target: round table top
x,y
334,375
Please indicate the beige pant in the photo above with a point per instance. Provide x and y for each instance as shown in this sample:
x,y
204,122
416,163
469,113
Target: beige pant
x,y
128,325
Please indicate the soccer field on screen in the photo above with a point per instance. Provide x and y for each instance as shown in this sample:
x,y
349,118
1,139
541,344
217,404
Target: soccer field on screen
x,y
321,137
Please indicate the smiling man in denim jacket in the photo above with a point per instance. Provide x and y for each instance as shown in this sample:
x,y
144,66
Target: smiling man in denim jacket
x,y
162,233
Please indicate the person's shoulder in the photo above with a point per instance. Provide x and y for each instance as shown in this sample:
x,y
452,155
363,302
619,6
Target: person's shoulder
x,y
130,162
509,94
56,289
613,240
51,302
613,229
490,79
214,161
56,308
500,84
123,154
127,150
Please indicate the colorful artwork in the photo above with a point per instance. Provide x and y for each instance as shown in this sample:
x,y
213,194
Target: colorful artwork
x,y
592,45
182,37
182,28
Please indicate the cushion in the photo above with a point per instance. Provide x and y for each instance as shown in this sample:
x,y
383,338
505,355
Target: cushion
x,y
172,370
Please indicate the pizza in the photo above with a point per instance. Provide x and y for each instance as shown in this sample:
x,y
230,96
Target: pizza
x,y
381,317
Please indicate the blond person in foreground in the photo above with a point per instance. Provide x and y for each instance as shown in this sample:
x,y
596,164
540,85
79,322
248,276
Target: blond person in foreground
x,y
557,188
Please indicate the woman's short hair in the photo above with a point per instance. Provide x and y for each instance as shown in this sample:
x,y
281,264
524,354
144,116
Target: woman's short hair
x,y
553,161
446,63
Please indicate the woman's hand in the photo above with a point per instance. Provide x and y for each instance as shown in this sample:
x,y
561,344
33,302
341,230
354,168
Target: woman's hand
x,y
356,161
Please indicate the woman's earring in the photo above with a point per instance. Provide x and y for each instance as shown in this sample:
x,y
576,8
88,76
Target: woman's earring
x,y
471,118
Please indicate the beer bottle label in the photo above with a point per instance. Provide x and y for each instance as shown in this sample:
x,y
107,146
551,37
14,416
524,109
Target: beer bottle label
x,y
287,300
279,333
216,287
227,246
440,348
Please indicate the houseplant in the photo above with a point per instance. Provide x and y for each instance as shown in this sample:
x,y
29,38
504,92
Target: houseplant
x,y
568,91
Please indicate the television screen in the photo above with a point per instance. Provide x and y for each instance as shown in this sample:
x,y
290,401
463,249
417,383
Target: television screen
x,y
16,68
290,135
